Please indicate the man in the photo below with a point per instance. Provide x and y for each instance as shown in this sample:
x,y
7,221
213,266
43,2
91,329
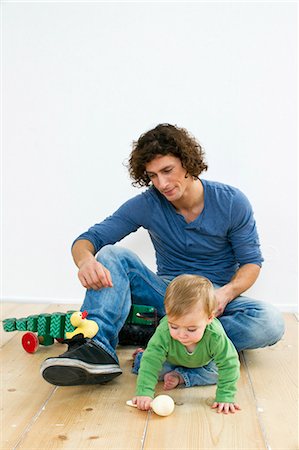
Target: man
x,y
196,226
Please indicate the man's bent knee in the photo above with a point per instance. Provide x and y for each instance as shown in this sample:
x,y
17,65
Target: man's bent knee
x,y
274,324
111,250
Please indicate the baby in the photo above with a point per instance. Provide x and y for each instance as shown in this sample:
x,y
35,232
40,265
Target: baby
x,y
188,338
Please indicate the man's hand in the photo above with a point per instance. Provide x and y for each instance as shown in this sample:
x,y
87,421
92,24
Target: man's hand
x,y
226,407
93,275
222,300
243,279
142,402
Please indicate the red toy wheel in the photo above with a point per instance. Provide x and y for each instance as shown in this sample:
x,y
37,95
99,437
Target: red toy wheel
x,y
30,342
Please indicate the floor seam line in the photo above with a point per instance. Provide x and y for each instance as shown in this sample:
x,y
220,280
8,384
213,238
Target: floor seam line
x,y
34,419
143,438
259,418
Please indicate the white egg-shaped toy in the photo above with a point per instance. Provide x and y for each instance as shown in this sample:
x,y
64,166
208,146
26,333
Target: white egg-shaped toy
x,y
163,405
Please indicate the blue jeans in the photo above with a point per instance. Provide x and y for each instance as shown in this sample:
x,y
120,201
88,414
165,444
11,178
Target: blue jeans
x,y
248,323
200,376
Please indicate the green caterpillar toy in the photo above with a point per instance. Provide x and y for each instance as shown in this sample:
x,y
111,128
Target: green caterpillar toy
x,y
44,329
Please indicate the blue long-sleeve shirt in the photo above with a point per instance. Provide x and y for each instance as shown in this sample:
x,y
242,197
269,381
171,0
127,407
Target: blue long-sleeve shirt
x,y
220,240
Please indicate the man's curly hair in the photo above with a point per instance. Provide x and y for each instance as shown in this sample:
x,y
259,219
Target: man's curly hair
x,y
165,139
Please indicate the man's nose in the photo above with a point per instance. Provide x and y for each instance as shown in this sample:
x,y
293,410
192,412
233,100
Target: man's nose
x,y
162,181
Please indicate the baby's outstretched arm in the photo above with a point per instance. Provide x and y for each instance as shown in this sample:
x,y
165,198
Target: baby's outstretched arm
x,y
142,402
226,407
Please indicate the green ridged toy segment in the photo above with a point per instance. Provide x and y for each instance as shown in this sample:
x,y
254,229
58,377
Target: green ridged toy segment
x,y
43,324
57,324
21,324
46,340
32,323
9,324
68,326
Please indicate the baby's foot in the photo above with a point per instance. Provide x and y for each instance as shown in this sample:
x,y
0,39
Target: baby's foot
x,y
138,350
172,380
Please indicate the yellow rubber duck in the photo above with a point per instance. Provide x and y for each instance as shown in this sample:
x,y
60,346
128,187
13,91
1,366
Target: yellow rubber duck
x,y
88,328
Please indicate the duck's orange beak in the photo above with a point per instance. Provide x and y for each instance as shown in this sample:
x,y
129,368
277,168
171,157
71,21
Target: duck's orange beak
x,y
84,314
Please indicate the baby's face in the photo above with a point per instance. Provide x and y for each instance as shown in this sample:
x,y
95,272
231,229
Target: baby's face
x,y
189,329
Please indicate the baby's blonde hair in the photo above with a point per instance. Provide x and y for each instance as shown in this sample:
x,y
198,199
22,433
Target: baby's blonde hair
x,y
187,291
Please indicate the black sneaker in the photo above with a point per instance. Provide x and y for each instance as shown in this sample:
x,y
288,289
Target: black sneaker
x,y
84,362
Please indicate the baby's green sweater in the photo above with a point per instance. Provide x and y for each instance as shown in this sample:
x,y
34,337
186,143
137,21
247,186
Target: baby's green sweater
x,y
214,345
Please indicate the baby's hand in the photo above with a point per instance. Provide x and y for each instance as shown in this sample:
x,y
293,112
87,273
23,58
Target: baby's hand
x,y
226,407
141,402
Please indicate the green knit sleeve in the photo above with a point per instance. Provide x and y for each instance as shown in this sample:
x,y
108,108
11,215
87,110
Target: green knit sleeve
x,y
227,361
151,362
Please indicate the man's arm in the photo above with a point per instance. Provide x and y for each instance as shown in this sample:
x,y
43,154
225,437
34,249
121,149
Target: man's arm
x,y
243,279
92,274
127,219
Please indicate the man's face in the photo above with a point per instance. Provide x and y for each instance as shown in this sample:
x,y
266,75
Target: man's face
x,y
168,176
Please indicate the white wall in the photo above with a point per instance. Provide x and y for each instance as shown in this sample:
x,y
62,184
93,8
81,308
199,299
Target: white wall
x,y
81,81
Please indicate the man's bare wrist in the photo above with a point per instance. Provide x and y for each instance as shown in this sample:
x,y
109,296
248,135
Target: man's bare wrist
x,y
229,292
82,261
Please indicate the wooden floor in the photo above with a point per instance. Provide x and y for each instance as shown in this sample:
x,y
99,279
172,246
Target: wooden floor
x,y
37,415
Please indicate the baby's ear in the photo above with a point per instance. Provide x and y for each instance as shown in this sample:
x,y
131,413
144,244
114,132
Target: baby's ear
x,y
212,316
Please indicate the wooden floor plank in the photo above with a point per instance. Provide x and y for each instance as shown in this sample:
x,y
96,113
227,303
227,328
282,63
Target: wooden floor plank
x,y
23,391
90,417
194,425
274,376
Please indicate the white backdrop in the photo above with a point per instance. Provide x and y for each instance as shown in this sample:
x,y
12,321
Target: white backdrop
x,y
82,80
